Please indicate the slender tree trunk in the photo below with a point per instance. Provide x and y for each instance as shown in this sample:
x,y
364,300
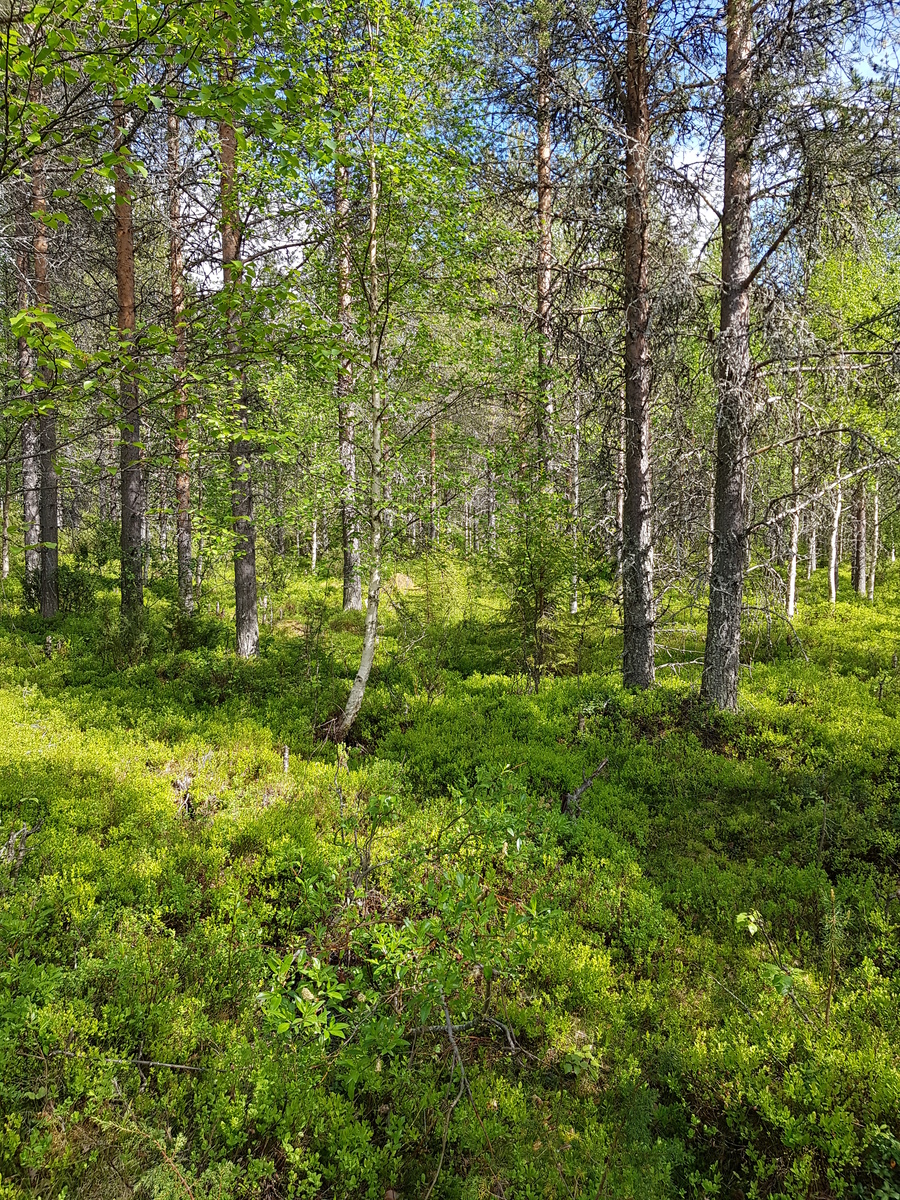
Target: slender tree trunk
x,y
544,244
812,547
876,537
794,548
620,485
4,533
179,359
432,480
834,555
131,534
31,462
575,497
860,577
49,489
245,613
314,545
346,413
721,661
639,610
370,635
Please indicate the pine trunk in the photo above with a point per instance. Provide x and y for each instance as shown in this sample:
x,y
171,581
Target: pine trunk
x,y
638,669
721,663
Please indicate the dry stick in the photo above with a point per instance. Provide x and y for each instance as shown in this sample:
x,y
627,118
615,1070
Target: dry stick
x,y
464,1086
572,799
128,1062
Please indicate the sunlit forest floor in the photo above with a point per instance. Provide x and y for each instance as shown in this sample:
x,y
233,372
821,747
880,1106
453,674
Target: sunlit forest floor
x,y
401,970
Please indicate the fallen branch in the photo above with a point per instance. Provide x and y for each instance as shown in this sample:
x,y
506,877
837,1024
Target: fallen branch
x,y
572,800
12,855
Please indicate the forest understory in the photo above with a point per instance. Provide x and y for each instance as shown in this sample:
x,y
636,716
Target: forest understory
x,y
243,961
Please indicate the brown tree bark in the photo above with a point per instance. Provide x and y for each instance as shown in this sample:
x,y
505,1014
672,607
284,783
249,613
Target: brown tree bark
x,y
352,578
130,466
638,604
721,661
49,483
179,357
245,611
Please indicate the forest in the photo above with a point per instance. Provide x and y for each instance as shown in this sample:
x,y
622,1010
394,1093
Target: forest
x,y
449,614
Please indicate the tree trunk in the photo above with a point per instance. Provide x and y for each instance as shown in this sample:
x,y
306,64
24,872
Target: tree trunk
x,y
876,537
638,669
370,635
834,557
179,358
721,662
794,549
49,483
575,496
811,563
544,244
131,536
620,484
352,598
31,475
432,480
860,577
4,533
245,614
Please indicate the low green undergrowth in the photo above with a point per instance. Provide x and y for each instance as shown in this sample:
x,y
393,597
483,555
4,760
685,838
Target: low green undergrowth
x,y
398,967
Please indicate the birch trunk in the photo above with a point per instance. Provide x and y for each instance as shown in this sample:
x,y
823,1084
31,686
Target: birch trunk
x,y
876,537
638,669
834,556
179,359
432,484
31,462
352,598
245,612
575,499
132,514
49,483
721,661
794,548
370,636
4,534
544,244
860,577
